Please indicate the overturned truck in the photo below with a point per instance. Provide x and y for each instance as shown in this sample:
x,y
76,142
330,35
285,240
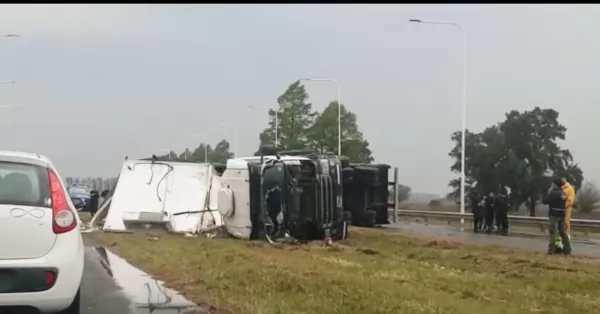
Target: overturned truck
x,y
364,192
293,195
277,197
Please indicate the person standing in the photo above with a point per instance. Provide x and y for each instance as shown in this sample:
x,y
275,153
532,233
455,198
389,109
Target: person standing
x,y
570,200
94,200
478,211
556,201
501,205
489,212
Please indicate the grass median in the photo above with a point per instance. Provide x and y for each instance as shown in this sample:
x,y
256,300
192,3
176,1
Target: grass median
x,y
376,271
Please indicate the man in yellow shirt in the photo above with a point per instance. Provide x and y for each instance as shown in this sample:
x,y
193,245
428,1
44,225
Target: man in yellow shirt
x,y
570,200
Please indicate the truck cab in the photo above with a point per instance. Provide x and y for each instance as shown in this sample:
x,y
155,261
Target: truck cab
x,y
276,197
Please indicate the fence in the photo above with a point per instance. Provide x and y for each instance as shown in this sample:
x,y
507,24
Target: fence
x,y
521,220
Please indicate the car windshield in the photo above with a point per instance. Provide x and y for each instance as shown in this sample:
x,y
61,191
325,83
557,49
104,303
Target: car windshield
x,y
78,191
23,184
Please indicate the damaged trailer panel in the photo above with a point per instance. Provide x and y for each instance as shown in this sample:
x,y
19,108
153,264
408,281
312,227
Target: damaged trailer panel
x,y
177,194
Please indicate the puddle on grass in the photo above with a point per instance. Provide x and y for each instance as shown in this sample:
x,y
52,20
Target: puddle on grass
x,y
147,294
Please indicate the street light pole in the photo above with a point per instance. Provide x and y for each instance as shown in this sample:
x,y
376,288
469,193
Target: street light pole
x,y
235,136
339,101
276,122
463,104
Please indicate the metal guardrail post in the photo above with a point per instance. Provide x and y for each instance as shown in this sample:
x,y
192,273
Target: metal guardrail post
x,y
395,219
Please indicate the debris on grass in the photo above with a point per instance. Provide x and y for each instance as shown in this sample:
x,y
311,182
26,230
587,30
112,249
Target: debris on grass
x,y
374,271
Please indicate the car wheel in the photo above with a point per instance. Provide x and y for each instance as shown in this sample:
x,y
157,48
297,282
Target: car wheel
x,y
74,308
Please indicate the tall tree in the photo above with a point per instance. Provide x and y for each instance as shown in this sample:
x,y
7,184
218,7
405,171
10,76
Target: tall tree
x,y
403,192
588,198
221,153
295,118
198,153
323,135
520,153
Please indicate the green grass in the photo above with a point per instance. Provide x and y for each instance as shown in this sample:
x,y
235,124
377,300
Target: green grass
x,y
376,271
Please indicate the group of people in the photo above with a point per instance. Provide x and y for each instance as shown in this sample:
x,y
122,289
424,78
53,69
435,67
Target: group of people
x,y
490,212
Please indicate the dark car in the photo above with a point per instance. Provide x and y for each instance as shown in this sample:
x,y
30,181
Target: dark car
x,y
80,198
80,202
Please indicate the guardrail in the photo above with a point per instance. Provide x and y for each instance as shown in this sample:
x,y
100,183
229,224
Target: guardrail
x,y
522,220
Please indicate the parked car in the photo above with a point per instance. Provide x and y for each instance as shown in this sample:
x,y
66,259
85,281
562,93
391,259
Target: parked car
x,y
41,248
80,196
80,203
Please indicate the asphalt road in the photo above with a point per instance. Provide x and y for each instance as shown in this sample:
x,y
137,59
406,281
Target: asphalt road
x,y
110,285
529,242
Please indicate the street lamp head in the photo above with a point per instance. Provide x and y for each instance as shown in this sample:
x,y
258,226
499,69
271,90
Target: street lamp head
x,y
316,79
10,35
7,82
415,21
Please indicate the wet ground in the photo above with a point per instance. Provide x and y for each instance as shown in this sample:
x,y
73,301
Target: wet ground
x,y
523,241
111,285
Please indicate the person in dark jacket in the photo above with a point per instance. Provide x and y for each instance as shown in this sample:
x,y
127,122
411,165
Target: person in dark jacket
x,y
556,201
94,200
478,211
489,212
501,205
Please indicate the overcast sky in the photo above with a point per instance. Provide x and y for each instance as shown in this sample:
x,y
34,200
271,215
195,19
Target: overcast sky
x,y
98,82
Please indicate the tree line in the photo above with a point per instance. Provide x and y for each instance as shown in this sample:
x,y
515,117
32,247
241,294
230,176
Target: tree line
x,y
521,154
203,153
299,128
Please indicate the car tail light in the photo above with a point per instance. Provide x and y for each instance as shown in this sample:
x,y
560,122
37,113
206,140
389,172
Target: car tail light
x,y
50,279
63,218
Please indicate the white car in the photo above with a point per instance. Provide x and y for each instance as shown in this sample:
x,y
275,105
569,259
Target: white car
x,y
41,249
